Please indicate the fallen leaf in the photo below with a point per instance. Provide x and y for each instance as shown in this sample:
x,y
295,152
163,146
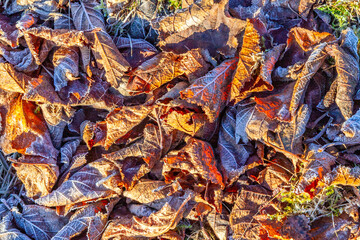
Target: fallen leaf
x,y
243,80
155,225
206,25
164,67
211,91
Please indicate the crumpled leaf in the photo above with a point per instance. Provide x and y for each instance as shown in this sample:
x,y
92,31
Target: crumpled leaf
x,y
347,68
197,160
206,25
8,33
293,227
21,59
92,217
38,222
106,54
197,157
319,164
117,123
278,172
243,80
66,66
211,91
155,225
219,224
343,175
9,231
96,180
276,104
311,66
11,79
38,174
284,135
233,154
250,200
164,67
26,132
350,130
334,227
145,191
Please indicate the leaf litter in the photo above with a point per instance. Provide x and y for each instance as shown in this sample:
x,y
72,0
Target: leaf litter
x,y
144,120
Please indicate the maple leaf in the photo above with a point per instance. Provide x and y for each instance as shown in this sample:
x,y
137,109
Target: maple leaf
x,y
206,24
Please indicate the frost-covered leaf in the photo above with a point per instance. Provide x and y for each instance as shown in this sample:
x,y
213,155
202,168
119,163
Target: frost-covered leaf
x,y
233,154
8,230
319,164
164,67
66,66
86,16
249,202
243,80
117,123
96,180
155,225
92,218
39,222
205,24
350,130
211,91
343,175
11,79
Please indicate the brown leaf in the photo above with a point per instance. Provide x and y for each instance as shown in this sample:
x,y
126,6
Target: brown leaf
x,y
319,164
250,201
243,81
206,25
197,160
311,66
66,66
155,225
192,123
92,217
38,174
97,180
11,79
341,227
347,68
117,123
164,67
276,104
38,222
197,157
350,130
26,132
342,175
211,91
145,191
86,16
8,33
